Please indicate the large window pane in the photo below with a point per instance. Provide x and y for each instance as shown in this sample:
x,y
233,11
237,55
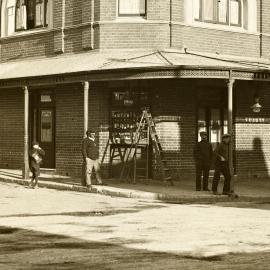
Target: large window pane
x,y
131,7
46,126
197,9
222,10
10,28
39,18
235,8
201,122
208,10
21,15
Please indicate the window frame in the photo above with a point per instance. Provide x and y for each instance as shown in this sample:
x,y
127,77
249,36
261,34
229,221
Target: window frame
x,y
216,13
45,16
138,15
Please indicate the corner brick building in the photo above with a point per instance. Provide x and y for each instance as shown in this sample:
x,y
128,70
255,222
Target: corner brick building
x,y
66,65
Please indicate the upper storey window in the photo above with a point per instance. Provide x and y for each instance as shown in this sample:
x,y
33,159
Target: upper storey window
x,y
227,12
131,7
22,15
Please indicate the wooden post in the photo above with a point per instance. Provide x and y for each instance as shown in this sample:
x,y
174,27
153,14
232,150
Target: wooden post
x,y
86,105
26,133
230,128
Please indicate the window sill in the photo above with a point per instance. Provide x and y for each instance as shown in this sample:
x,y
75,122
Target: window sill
x,y
131,19
221,27
27,33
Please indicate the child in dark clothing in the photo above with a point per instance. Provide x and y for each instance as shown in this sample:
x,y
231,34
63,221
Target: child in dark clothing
x,y
35,158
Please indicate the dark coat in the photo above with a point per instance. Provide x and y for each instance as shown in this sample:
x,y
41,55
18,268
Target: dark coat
x,y
35,158
222,150
89,149
203,153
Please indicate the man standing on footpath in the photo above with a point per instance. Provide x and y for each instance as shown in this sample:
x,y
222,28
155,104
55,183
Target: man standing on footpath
x,y
90,156
203,153
222,165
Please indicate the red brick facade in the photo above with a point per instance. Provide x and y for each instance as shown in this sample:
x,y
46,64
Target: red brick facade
x,y
95,25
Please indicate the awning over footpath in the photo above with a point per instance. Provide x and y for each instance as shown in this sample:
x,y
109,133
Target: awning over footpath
x,y
103,62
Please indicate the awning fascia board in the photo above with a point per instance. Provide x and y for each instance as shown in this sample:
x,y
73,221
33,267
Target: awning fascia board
x,y
169,72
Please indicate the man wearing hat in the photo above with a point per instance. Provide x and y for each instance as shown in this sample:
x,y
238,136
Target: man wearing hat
x,y
203,156
222,165
90,156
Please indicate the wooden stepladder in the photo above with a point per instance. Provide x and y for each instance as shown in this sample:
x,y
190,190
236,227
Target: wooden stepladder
x,y
130,168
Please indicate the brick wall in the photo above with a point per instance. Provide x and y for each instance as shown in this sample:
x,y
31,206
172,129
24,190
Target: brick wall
x,y
130,35
216,41
11,128
112,32
69,124
252,135
174,109
32,45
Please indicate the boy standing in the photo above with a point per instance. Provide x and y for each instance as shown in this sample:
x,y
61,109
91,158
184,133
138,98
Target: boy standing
x,y
36,156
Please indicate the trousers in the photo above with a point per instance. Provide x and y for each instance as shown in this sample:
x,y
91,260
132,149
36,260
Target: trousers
x,y
222,167
202,169
89,167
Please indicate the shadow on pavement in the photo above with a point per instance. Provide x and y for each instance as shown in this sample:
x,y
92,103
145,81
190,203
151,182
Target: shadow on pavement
x,y
108,212
25,249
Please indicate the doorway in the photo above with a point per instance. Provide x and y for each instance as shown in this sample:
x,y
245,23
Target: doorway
x,y
214,122
43,125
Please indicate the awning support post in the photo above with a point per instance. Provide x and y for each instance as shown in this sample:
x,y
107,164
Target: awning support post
x,y
230,84
26,133
86,106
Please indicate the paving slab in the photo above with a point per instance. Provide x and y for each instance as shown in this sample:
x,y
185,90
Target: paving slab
x,y
255,190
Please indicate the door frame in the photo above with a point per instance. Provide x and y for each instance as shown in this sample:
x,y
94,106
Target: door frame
x,y
36,106
207,110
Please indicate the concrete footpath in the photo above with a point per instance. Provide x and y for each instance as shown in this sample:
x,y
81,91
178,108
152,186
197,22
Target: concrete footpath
x,y
251,190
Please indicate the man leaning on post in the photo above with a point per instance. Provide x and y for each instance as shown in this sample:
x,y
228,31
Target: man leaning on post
x,y
222,166
91,158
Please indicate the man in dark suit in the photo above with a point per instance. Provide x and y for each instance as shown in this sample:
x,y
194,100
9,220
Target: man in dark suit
x,y
91,158
203,156
222,165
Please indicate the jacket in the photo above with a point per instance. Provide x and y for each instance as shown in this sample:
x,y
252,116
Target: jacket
x,y
203,152
222,152
36,157
89,149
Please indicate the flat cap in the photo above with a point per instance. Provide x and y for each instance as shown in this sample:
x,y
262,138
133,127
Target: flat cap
x,y
226,135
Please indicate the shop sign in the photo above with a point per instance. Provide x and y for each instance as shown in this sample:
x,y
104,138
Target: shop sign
x,y
262,75
128,102
259,120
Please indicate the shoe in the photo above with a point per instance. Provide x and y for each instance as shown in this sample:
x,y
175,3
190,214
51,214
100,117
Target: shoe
x,y
89,187
216,193
226,193
207,190
102,184
35,186
30,185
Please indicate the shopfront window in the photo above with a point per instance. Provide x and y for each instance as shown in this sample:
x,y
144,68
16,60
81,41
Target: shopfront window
x,y
131,7
22,15
219,11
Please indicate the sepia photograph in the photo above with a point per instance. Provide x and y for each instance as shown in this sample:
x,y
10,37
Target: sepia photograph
x,y
135,134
